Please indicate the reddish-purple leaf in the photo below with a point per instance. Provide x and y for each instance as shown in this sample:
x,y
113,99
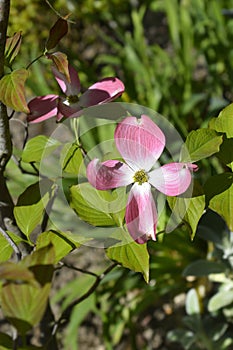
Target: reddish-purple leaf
x,y
12,92
57,32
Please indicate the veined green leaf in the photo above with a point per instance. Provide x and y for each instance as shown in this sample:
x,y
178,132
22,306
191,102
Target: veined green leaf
x,y
98,208
37,147
31,205
223,205
61,241
12,90
224,121
130,254
201,143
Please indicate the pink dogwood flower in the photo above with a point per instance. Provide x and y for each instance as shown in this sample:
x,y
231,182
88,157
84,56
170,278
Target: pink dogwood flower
x,y
44,107
140,143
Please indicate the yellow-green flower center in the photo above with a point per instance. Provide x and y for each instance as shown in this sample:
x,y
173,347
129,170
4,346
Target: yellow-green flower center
x,y
72,98
140,176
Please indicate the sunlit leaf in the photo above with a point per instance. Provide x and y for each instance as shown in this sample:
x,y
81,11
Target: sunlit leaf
x,y
131,255
12,92
98,208
61,241
224,121
56,33
220,300
5,249
37,147
201,143
31,206
192,304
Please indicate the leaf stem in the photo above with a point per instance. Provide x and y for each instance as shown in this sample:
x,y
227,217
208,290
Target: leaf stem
x,y
33,61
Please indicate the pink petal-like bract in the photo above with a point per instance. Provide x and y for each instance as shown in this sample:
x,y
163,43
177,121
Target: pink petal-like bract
x,y
109,174
139,141
42,108
70,88
141,213
172,179
103,91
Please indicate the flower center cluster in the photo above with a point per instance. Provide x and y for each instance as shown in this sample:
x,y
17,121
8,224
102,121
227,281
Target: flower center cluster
x,y
72,98
140,176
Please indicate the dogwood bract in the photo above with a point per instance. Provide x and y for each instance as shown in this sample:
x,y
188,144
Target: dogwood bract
x,y
140,143
44,107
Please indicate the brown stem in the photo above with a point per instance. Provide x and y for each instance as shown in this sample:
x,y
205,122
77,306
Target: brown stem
x,y
6,203
7,221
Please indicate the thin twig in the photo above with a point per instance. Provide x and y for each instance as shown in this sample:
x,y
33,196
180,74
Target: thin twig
x,y
63,264
12,244
35,60
64,318
57,13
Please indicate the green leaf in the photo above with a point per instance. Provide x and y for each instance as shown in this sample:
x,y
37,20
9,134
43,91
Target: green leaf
x,y
5,249
131,255
15,272
201,143
31,206
98,208
220,300
56,33
13,44
219,192
192,304
188,210
226,152
61,241
224,121
12,90
6,342
24,304
71,158
37,147
204,268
